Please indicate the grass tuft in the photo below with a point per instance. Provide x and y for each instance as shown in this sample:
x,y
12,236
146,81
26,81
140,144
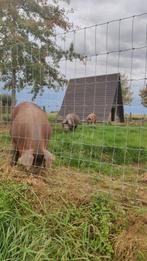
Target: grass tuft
x,y
75,233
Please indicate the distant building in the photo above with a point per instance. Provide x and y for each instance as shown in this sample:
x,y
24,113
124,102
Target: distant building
x,y
99,94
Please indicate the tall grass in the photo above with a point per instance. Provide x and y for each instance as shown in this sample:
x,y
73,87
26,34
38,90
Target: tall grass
x,y
73,233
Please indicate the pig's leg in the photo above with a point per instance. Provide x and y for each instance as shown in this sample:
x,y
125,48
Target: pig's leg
x,y
43,163
74,127
15,156
49,157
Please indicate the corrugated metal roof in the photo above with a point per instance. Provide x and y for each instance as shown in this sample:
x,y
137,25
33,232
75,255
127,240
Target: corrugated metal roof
x,y
92,94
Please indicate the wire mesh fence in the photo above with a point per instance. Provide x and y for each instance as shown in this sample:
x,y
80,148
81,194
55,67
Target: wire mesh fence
x,y
103,74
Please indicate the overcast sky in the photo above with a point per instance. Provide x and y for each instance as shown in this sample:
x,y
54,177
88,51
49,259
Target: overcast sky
x,y
117,46
89,12
106,45
102,45
93,41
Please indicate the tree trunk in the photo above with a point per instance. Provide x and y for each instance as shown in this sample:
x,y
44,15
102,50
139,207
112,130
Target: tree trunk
x,y
1,114
13,93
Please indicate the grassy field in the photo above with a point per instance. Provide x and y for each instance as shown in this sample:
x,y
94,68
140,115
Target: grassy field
x,y
76,233
57,216
104,148
91,205
101,148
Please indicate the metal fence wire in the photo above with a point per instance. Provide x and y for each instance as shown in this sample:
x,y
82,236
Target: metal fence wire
x,y
110,57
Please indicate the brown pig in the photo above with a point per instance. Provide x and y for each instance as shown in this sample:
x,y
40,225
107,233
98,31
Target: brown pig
x,y
70,122
91,118
30,132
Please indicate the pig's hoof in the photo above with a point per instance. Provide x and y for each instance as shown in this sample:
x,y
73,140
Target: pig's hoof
x,y
13,163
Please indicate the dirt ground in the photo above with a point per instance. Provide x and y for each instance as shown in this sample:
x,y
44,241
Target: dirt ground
x,y
4,128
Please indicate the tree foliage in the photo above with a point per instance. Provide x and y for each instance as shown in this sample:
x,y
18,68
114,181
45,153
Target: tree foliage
x,y
127,93
143,95
29,53
5,99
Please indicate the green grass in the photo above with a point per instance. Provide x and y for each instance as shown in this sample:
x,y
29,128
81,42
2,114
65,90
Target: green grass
x,y
28,232
112,150
106,135
52,116
73,233
103,148
142,256
6,117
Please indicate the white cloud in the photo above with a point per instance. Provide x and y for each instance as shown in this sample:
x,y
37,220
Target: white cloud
x,y
121,45
97,11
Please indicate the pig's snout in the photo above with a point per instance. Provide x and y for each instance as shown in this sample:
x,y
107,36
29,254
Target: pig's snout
x,y
66,127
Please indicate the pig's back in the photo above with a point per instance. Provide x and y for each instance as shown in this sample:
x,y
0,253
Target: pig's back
x,y
30,126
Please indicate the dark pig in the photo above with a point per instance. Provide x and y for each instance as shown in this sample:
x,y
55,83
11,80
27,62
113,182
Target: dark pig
x,y
70,122
30,132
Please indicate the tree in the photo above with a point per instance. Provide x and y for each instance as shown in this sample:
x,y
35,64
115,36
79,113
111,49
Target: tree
x,y
126,90
5,105
143,95
29,54
6,99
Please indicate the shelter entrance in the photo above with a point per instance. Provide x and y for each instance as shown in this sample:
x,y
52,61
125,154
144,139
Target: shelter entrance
x,y
113,114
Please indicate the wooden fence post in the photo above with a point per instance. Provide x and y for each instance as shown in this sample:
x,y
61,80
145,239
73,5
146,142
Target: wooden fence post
x,y
130,118
1,112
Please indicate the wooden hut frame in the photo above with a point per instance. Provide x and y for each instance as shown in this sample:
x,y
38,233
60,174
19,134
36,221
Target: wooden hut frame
x,y
99,94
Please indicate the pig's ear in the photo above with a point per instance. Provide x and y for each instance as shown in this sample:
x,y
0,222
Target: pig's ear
x,y
49,157
70,122
26,159
64,121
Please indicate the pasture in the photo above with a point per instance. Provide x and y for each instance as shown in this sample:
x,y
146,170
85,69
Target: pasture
x,y
102,148
90,204
82,208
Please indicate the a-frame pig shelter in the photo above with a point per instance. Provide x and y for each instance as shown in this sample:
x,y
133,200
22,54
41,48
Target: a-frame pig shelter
x,y
99,94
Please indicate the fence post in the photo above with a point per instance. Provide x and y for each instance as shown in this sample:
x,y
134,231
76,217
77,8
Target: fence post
x,y
1,113
130,117
143,119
